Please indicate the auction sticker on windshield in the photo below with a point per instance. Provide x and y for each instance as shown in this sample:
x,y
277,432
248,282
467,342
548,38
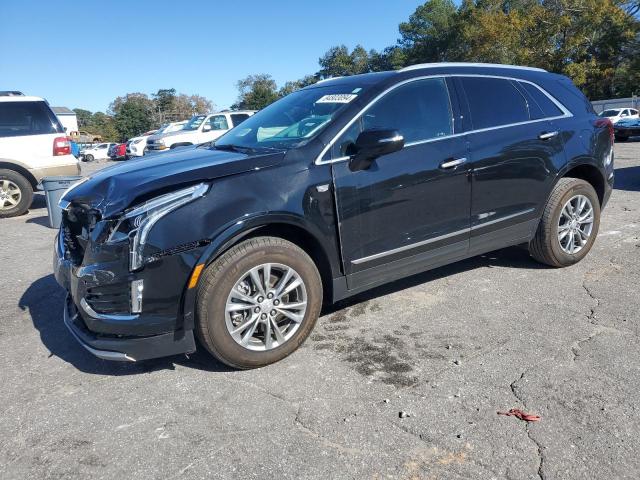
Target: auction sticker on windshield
x,y
337,98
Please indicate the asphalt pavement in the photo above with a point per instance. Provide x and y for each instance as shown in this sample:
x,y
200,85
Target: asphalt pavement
x,y
401,382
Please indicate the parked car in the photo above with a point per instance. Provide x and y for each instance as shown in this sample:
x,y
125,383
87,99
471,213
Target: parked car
x,y
111,149
200,129
332,190
627,128
33,145
96,152
617,114
85,137
138,145
119,152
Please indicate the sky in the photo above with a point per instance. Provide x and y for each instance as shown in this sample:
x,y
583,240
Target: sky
x,y
83,54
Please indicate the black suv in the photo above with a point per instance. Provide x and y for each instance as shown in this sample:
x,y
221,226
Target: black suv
x,y
332,190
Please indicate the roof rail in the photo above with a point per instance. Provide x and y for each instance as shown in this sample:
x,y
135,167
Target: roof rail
x,y
464,64
327,79
11,93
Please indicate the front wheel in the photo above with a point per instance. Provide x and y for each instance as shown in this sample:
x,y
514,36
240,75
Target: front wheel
x,y
569,224
258,302
88,158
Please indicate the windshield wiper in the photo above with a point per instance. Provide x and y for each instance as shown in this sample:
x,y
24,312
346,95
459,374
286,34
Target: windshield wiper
x,y
240,148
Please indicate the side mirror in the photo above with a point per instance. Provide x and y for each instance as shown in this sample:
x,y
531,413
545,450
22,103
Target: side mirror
x,y
372,144
206,128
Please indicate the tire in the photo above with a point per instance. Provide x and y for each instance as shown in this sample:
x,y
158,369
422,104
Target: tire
x,y
547,247
88,158
16,194
214,322
621,138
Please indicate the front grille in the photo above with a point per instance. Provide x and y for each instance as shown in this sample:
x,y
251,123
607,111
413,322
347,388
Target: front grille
x,y
109,299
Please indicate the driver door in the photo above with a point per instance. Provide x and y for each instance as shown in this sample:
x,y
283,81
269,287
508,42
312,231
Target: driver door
x,y
410,209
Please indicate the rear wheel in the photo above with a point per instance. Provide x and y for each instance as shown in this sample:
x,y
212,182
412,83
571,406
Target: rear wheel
x,y
16,194
569,224
258,302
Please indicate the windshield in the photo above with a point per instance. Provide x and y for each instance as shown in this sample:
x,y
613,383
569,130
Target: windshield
x,y
609,113
292,120
194,123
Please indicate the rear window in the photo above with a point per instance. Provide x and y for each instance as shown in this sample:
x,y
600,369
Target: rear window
x,y
238,118
546,106
494,102
27,118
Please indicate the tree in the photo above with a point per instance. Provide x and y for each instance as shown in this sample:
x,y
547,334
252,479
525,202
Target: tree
x,y
104,125
430,33
290,87
339,62
133,117
256,92
164,99
84,117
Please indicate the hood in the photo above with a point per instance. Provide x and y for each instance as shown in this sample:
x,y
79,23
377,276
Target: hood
x,y
170,134
115,188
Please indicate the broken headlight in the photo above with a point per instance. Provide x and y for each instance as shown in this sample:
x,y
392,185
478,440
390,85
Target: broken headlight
x,y
136,223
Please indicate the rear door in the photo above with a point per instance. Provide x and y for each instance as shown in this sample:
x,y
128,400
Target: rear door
x,y
515,152
27,132
410,209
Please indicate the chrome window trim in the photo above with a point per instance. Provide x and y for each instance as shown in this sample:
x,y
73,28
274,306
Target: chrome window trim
x,y
565,113
404,248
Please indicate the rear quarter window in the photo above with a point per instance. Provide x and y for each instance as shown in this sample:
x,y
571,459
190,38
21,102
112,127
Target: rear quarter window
x,y
545,106
27,118
494,102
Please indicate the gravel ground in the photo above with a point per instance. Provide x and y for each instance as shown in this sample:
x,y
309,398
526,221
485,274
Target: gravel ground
x,y
450,348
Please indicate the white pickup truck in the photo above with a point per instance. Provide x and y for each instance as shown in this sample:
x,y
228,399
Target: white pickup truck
x,y
200,129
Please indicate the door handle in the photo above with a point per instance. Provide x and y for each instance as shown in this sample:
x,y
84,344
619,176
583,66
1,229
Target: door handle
x,y
452,163
547,135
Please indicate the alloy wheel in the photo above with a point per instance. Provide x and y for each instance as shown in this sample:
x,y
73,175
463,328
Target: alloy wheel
x,y
266,306
10,194
575,224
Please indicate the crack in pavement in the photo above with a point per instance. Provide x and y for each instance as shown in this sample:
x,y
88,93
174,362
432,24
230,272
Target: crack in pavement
x,y
539,447
300,425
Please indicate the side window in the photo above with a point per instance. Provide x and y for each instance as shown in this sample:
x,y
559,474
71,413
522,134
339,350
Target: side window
x,y
494,102
238,118
546,105
419,110
218,122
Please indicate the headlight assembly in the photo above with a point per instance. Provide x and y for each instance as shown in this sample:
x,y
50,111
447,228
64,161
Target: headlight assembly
x,y
136,223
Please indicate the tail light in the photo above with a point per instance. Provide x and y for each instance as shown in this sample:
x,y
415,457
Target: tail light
x,y
61,146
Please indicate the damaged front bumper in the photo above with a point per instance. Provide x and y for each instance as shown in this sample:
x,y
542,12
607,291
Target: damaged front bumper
x,y
122,335
126,349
